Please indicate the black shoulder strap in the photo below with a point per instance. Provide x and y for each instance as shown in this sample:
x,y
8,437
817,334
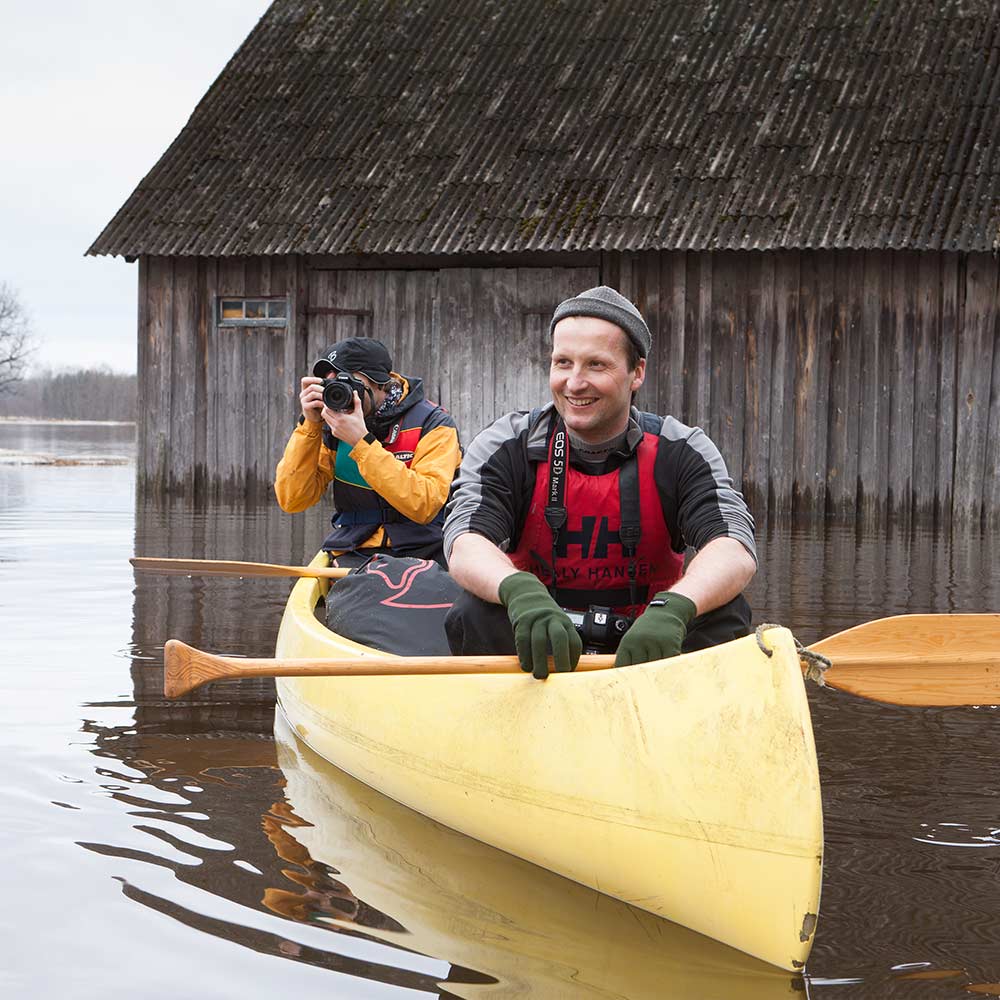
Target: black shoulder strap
x,y
555,507
630,530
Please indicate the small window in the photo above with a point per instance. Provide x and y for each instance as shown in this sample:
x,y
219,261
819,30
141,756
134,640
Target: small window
x,y
253,312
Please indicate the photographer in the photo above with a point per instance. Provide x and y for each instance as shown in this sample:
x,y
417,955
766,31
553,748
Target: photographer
x,y
390,454
588,503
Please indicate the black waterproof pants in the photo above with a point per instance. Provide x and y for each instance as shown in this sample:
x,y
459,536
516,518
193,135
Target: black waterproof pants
x,y
477,627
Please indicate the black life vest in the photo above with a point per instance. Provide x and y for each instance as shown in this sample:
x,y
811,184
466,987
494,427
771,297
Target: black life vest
x,y
361,511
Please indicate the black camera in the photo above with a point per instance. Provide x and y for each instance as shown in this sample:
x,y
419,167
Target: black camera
x,y
338,392
600,628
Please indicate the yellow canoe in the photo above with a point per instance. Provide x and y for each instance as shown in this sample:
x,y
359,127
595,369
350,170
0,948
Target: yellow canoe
x,y
686,787
466,903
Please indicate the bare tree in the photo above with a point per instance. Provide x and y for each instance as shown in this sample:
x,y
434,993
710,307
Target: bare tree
x,y
82,394
15,338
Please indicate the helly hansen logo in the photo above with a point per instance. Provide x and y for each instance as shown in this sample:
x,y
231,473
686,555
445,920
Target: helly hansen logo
x,y
596,574
592,539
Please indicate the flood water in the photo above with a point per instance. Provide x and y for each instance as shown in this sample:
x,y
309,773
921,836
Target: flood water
x,y
155,850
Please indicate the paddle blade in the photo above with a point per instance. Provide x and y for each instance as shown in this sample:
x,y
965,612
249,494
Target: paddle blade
x,y
918,660
186,668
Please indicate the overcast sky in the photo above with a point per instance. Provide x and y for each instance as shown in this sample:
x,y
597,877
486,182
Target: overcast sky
x,y
91,94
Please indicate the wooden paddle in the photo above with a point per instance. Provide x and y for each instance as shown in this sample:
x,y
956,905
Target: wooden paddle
x,y
904,660
918,660
221,567
187,668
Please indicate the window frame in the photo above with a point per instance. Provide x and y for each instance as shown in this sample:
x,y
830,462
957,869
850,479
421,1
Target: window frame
x,y
244,320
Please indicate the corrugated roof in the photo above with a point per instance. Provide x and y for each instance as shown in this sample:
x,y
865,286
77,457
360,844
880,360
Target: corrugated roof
x,y
456,126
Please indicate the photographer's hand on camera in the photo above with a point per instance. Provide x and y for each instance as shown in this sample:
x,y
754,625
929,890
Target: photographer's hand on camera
x,y
347,425
311,399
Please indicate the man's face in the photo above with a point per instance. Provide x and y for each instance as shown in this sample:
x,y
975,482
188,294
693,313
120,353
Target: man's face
x,y
590,379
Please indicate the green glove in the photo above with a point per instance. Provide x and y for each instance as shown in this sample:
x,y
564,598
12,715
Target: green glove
x,y
658,632
539,623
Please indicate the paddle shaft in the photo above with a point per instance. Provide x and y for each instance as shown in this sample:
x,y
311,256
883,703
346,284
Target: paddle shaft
x,y
228,567
905,659
919,660
187,668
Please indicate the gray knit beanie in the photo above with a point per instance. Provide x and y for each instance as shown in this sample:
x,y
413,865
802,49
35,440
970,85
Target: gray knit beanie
x,y
606,303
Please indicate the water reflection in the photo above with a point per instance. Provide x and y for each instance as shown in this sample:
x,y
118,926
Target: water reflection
x,y
171,829
893,895
822,577
532,932
891,776
210,814
65,443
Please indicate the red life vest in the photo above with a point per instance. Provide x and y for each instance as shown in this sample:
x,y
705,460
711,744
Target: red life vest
x,y
592,565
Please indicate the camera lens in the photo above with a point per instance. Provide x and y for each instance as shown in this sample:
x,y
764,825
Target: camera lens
x,y
338,395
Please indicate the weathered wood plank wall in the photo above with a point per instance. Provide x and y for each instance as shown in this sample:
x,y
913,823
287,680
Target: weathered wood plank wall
x,y
213,400
840,382
835,382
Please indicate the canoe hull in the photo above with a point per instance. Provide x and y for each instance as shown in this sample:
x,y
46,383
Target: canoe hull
x,y
470,905
688,788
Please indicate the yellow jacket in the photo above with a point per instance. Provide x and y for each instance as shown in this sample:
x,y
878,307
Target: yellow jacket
x,y
418,490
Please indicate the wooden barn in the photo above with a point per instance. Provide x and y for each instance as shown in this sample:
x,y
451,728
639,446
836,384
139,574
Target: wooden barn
x,y
802,196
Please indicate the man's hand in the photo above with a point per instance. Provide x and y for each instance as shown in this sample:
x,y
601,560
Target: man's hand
x,y
311,399
347,425
658,632
539,623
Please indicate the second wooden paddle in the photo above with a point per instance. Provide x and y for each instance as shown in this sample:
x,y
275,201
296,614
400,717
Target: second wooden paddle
x,y
227,567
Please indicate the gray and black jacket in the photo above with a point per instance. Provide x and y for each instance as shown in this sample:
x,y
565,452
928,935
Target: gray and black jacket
x,y
493,489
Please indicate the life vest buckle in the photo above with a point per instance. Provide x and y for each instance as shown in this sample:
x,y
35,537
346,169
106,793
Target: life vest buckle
x,y
555,517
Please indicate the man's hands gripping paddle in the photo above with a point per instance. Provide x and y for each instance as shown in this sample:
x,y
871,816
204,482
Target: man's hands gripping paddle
x,y
540,625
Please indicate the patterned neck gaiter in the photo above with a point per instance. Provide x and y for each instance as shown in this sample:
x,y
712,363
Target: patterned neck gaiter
x,y
393,396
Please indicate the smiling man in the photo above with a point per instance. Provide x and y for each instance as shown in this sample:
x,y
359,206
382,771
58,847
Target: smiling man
x,y
573,520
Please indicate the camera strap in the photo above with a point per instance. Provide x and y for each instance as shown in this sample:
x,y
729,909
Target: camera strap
x,y
365,393
630,529
555,509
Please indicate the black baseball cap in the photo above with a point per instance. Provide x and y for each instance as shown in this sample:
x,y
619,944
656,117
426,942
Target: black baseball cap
x,y
357,354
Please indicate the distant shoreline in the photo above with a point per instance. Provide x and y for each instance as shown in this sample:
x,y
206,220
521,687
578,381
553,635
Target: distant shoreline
x,y
67,420
13,458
